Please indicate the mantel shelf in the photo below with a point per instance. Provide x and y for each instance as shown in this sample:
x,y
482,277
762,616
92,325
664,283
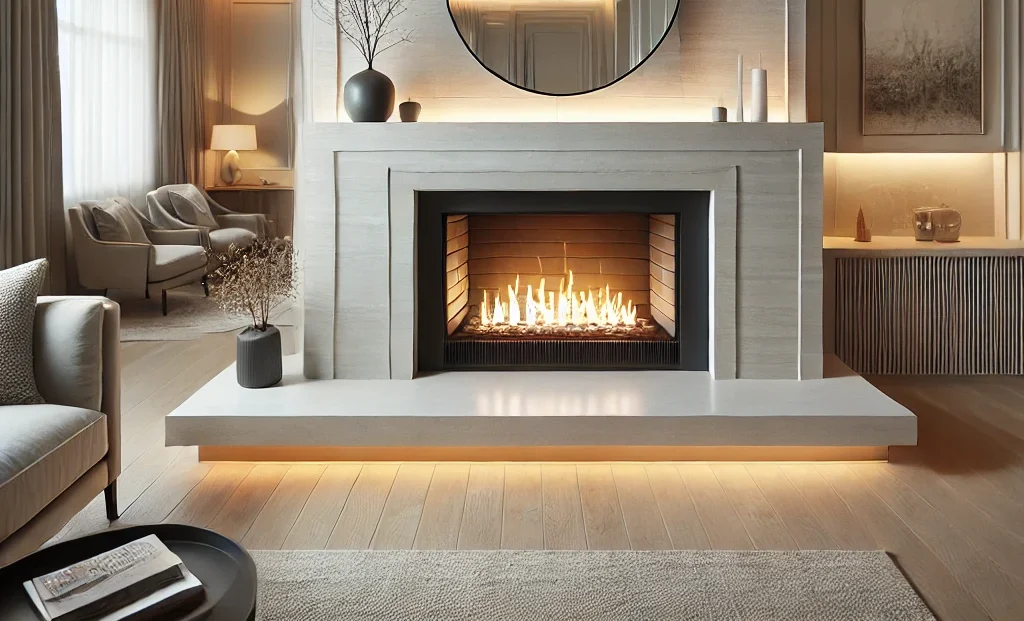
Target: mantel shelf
x,y
884,246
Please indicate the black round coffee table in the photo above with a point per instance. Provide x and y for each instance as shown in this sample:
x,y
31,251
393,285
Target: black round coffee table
x,y
223,566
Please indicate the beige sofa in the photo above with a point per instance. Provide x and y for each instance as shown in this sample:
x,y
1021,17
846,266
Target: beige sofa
x,y
56,457
173,258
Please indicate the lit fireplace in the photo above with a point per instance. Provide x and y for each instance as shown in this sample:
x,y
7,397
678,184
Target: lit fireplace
x,y
591,284
567,313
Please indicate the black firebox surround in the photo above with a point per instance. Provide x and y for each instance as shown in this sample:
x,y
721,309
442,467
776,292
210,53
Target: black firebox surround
x,y
687,352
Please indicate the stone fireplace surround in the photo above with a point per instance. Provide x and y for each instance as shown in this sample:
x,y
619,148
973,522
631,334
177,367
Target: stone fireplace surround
x,y
353,392
359,201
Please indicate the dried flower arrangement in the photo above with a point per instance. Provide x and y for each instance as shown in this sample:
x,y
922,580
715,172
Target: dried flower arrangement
x,y
367,24
253,279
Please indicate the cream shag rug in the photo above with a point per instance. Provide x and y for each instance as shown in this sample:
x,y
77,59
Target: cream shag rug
x,y
190,314
592,585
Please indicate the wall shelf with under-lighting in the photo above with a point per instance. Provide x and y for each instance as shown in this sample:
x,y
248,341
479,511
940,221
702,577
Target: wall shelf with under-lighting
x,y
891,246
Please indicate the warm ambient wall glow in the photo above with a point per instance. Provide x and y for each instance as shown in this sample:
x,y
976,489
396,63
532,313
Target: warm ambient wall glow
x,y
889,185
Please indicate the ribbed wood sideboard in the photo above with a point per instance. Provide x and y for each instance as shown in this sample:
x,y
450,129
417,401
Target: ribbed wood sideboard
x,y
900,307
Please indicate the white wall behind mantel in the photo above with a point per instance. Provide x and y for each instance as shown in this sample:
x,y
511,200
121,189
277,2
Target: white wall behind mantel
x,y
693,70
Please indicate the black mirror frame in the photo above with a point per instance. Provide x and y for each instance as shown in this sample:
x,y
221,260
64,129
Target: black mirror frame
x,y
668,29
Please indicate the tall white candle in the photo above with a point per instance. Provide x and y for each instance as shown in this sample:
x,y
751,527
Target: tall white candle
x,y
739,88
759,95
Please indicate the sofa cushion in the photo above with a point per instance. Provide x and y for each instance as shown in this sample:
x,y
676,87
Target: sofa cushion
x,y
167,262
68,351
221,239
43,450
109,226
19,287
190,205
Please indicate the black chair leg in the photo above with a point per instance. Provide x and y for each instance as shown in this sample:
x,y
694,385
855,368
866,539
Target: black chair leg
x,y
206,287
147,293
110,496
163,301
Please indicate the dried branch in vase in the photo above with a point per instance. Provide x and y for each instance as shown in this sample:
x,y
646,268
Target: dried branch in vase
x,y
252,280
367,24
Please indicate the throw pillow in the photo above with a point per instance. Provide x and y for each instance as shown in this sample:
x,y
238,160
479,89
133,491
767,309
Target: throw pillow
x,y
122,207
191,206
19,288
110,226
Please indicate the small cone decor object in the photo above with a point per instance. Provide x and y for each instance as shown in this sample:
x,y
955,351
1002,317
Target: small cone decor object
x,y
863,232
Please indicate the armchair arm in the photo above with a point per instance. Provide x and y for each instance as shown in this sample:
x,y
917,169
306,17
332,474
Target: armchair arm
x,y
76,353
112,265
253,222
180,237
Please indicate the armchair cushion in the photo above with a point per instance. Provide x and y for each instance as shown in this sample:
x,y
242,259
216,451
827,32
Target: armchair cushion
x,y
43,450
109,226
69,351
179,237
167,262
190,205
19,287
221,239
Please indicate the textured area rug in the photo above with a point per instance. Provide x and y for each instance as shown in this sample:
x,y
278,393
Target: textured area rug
x,y
190,314
590,585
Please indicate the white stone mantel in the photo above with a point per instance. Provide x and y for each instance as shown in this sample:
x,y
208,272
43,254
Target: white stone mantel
x,y
356,206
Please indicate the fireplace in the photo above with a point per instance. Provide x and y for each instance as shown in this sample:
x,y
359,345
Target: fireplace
x,y
562,280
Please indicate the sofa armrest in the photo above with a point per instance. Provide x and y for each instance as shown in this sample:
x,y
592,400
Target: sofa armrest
x,y
255,223
76,353
180,237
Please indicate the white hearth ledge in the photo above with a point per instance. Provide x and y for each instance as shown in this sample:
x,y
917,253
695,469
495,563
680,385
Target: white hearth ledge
x,y
542,409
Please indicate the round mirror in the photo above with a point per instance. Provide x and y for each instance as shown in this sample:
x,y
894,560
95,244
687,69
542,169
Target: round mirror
x,y
562,47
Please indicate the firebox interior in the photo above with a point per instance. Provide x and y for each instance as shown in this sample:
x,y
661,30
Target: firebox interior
x,y
563,280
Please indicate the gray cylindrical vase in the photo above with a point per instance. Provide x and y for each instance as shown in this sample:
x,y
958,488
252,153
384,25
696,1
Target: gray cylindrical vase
x,y
369,97
258,355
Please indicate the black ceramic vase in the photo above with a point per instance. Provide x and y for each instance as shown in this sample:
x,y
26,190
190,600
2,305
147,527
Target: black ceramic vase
x,y
369,97
258,355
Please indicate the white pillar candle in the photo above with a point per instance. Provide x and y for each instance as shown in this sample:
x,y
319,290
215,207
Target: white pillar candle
x,y
739,88
759,96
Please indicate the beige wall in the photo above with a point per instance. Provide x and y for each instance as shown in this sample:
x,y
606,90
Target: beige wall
x,y
889,185
249,79
890,175
693,70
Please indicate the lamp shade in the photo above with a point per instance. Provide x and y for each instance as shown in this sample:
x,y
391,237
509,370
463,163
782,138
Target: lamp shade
x,y
233,138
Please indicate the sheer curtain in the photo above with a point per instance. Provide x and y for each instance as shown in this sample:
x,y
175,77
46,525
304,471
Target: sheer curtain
x,y
108,80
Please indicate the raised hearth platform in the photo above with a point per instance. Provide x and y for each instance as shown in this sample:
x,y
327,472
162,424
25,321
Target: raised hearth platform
x,y
544,416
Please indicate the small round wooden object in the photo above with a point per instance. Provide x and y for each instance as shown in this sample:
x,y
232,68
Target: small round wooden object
x,y
409,111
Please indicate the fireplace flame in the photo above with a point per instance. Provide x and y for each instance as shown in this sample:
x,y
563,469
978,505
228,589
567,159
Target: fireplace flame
x,y
567,307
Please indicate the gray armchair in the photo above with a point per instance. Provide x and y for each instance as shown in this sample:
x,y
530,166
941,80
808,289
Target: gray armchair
x,y
165,260
187,207
56,457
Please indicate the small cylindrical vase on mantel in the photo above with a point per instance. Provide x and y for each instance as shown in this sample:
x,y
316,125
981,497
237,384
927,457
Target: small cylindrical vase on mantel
x,y
258,355
369,97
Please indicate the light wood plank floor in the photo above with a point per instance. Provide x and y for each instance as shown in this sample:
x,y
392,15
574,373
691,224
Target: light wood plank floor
x,y
951,511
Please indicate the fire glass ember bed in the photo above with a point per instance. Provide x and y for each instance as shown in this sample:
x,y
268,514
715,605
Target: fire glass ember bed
x,y
562,280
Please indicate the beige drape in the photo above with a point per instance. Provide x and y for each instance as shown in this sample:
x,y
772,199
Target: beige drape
x,y
31,195
181,49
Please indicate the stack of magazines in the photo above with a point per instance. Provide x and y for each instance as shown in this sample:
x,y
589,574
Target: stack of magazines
x,y
137,581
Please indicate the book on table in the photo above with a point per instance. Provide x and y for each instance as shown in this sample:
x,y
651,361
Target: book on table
x,y
134,582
